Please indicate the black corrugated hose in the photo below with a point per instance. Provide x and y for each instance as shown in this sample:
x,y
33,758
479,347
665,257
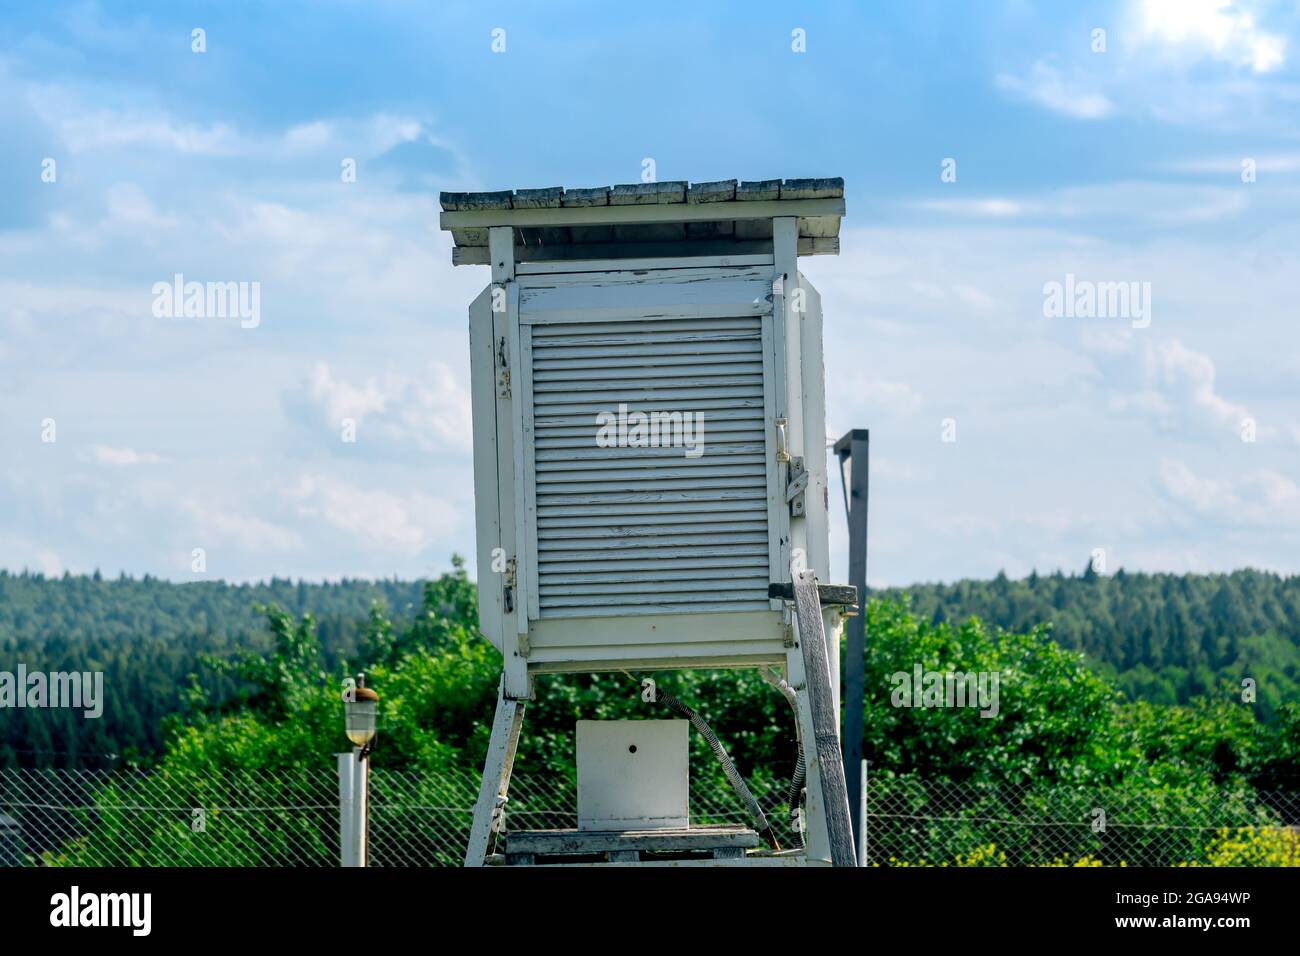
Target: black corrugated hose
x,y
794,793
728,768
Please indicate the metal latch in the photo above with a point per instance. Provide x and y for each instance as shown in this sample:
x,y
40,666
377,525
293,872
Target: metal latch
x,y
794,491
503,369
510,582
782,443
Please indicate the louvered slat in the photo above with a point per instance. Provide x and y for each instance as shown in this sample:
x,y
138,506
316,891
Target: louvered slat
x,y
641,526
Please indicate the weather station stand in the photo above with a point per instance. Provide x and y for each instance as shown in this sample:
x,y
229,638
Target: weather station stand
x,y
650,477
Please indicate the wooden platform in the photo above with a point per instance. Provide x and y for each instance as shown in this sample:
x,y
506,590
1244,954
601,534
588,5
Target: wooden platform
x,y
533,847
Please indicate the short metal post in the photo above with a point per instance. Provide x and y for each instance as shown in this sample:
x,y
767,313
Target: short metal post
x,y
862,817
354,808
346,813
361,807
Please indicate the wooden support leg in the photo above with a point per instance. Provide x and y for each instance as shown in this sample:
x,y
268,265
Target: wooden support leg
x,y
822,745
490,809
816,842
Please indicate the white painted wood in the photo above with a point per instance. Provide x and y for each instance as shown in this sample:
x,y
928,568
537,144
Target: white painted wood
x,y
527,410
572,215
650,279
681,640
816,839
656,657
574,469
521,451
487,511
514,621
633,774
784,234
824,743
572,257
495,785
816,498
623,265
501,251
778,515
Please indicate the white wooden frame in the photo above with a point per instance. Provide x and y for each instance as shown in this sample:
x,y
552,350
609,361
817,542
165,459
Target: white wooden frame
x,y
721,639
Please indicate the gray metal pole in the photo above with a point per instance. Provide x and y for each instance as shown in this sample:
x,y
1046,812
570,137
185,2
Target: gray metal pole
x,y
854,448
864,817
361,803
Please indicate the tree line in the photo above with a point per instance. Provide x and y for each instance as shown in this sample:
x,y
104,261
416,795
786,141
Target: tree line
x,y
176,655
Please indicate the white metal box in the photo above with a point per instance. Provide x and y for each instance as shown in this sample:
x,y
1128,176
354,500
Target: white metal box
x,y
633,774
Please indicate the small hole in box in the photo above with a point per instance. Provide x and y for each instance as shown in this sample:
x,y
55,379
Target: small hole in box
x,y
632,749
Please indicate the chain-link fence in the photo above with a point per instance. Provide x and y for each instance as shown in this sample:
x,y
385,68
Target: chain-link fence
x,y
142,818
914,822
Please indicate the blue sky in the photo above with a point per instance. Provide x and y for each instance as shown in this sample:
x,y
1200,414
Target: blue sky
x,y
1072,433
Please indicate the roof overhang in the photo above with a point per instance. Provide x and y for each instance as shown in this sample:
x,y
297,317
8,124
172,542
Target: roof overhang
x,y
646,219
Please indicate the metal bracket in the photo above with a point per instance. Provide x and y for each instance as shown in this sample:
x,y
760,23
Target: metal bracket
x,y
782,443
794,491
510,581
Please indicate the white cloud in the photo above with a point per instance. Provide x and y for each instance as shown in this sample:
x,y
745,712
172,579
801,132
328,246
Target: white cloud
x,y
107,455
1183,485
1190,375
896,398
214,524
1048,86
990,208
49,563
1222,29
1263,500
427,413
378,519
1138,202
1231,165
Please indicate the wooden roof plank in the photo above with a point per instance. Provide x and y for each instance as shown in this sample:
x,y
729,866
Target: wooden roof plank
x,y
759,191
462,202
548,198
641,194
585,198
585,210
832,188
722,190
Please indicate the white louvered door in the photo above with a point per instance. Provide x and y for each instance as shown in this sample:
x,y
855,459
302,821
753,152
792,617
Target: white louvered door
x,y
666,514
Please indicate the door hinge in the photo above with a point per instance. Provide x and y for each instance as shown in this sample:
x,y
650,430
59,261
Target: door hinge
x,y
794,491
503,368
